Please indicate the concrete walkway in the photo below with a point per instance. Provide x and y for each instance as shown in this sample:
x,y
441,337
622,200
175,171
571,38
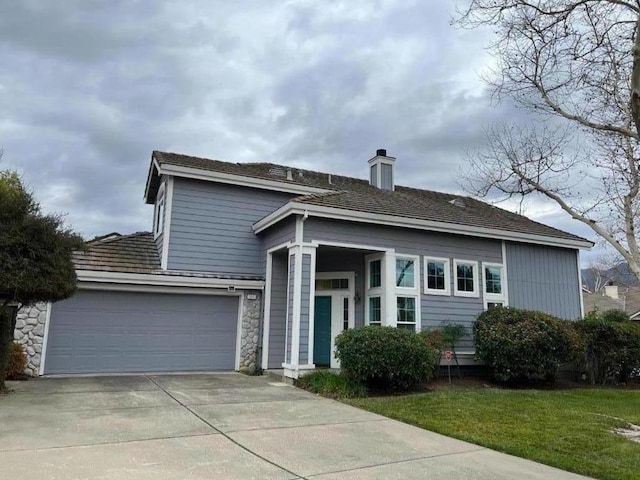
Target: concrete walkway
x,y
225,426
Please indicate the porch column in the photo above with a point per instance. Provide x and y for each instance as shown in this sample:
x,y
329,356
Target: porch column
x,y
390,308
300,306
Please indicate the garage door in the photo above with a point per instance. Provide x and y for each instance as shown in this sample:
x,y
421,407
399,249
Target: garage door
x,y
101,332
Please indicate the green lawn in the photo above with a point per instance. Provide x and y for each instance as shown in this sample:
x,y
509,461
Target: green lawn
x,y
569,429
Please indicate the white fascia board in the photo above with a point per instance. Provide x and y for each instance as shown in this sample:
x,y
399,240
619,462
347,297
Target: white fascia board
x,y
165,280
416,224
265,184
155,164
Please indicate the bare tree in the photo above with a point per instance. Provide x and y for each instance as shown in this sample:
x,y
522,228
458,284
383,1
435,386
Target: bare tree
x,y
603,269
575,64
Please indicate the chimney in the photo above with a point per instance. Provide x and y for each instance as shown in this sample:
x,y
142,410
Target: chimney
x,y
611,290
382,170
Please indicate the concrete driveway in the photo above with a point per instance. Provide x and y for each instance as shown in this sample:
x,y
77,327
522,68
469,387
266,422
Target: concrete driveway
x,y
223,426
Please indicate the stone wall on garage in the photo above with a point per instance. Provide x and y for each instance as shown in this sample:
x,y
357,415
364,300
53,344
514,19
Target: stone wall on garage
x,y
250,333
29,332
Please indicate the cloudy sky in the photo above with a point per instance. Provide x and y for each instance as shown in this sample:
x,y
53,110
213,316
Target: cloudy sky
x,y
89,88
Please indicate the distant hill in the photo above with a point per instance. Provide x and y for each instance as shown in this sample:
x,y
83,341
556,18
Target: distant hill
x,y
620,274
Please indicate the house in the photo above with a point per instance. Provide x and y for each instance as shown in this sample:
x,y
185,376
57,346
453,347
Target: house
x,y
262,265
614,297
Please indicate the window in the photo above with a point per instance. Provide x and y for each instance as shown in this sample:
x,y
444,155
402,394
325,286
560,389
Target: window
x,y
405,273
437,276
493,280
406,312
159,220
495,286
375,274
466,283
375,313
332,284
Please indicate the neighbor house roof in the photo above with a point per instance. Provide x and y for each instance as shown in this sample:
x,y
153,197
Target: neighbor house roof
x,y
356,195
628,301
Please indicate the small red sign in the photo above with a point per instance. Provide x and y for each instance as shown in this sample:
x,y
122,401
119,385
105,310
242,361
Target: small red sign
x,y
448,355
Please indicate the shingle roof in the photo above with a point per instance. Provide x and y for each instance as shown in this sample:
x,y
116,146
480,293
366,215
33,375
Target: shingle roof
x,y
357,195
135,253
628,301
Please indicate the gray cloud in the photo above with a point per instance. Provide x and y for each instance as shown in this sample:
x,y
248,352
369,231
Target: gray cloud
x,y
89,88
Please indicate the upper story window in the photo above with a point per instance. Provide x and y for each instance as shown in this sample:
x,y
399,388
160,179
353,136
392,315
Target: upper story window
x,y
375,274
466,278
159,218
437,273
405,272
493,279
408,292
494,285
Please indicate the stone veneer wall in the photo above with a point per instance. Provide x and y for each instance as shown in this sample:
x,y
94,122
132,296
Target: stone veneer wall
x,y
250,334
29,332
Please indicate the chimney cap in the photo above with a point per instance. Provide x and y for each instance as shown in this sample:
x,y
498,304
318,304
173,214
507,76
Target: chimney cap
x,y
382,152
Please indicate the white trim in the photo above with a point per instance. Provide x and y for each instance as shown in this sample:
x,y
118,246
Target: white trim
x,y
160,203
297,306
409,292
416,224
262,183
124,287
493,297
239,330
312,295
166,280
168,208
505,287
354,246
287,318
580,286
339,295
476,278
266,314
447,276
390,306
45,338
280,247
375,291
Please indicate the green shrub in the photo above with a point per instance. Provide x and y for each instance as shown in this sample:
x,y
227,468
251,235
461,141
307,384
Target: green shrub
x,y
331,384
385,358
17,361
610,349
614,316
521,345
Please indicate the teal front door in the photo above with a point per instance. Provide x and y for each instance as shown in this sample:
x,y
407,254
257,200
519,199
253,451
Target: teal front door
x,y
322,332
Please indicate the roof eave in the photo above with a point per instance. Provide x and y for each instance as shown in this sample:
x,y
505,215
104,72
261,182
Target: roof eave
x,y
154,172
293,208
241,180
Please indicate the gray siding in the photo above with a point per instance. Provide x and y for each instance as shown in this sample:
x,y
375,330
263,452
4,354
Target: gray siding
x,y
304,310
284,231
435,310
543,278
290,295
278,311
159,239
386,182
373,175
342,260
211,227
